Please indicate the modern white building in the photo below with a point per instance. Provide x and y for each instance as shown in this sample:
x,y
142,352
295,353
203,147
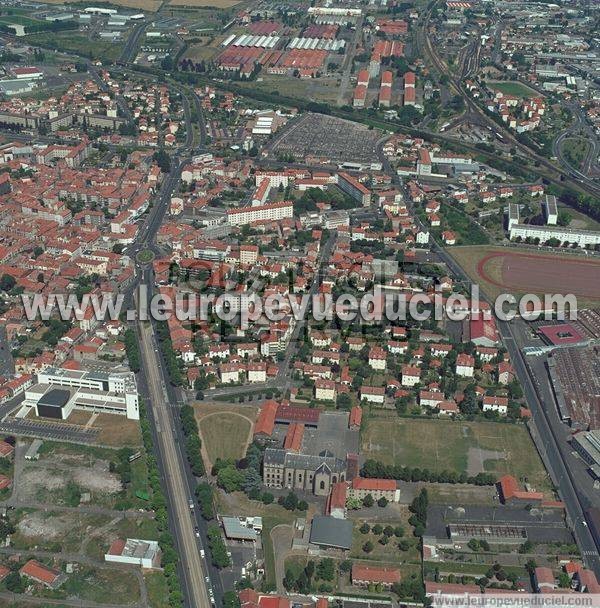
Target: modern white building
x,y
144,553
550,210
247,215
59,391
545,233
513,215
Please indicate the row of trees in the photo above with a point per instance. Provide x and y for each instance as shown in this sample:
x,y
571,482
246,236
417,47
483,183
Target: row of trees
x,y
132,350
173,363
218,551
193,444
375,469
418,508
159,506
204,496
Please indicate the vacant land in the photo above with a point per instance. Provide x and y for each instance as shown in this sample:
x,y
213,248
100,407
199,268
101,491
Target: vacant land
x,y
513,88
458,446
225,430
76,43
90,584
158,591
18,20
520,271
576,150
143,5
69,474
317,89
204,3
54,531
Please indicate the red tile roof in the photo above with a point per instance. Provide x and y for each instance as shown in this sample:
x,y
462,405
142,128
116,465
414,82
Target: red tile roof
x,y
266,419
355,416
337,497
293,438
38,572
376,575
361,483
117,547
510,489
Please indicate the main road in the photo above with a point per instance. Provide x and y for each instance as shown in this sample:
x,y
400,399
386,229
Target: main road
x,y
176,483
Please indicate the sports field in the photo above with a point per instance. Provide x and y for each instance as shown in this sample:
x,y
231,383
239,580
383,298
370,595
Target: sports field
x,y
225,430
469,447
513,88
520,271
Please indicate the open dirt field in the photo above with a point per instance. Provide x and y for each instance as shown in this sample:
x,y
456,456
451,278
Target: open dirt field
x,y
523,271
58,475
470,447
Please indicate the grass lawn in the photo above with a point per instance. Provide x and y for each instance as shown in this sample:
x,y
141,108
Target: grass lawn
x,y
225,435
513,88
158,591
117,431
77,44
575,150
18,20
225,430
579,220
467,232
445,444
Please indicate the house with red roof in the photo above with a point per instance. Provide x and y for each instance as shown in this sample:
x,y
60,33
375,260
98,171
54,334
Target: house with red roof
x,y
37,572
363,576
544,579
355,418
265,423
377,488
510,492
336,501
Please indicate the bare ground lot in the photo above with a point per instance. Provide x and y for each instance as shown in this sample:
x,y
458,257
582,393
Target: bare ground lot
x,y
67,475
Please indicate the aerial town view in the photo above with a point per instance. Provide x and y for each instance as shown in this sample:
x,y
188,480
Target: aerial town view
x,y
299,303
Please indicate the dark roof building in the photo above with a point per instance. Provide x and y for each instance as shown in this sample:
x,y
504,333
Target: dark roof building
x,y
330,532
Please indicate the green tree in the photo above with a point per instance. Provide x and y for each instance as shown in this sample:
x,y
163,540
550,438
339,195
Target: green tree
x,y
230,479
326,569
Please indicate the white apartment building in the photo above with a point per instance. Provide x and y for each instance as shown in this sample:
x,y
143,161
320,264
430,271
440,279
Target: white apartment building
x,y
247,215
581,237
